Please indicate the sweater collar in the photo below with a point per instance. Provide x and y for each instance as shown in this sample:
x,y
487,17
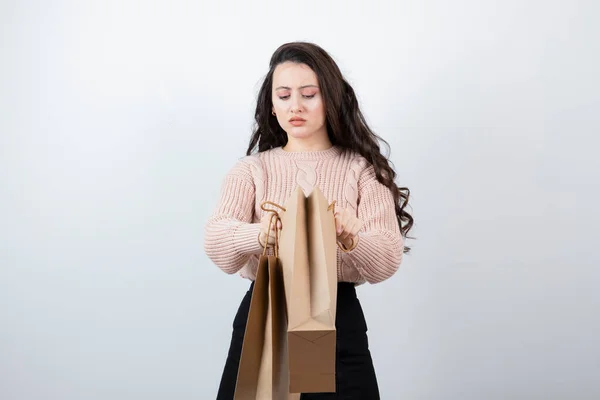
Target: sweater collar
x,y
315,155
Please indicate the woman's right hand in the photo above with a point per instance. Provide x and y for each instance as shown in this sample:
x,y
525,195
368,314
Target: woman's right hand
x,y
266,235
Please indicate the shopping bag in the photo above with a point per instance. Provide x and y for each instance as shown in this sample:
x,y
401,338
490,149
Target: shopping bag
x,y
263,368
308,257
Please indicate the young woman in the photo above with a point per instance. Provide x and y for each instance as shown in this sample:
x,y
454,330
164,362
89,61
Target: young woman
x,y
310,132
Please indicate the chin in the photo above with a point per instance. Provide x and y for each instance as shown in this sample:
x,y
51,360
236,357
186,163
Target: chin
x,y
299,132
303,132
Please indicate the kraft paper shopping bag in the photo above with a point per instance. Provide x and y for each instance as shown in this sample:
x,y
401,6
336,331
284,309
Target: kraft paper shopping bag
x,y
308,256
263,369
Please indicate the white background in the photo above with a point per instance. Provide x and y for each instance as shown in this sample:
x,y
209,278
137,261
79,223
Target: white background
x,y
119,119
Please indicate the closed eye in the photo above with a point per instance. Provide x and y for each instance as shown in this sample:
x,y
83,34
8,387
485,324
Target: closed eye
x,y
287,97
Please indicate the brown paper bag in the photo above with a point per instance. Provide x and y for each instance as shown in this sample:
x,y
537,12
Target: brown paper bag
x,y
263,369
307,252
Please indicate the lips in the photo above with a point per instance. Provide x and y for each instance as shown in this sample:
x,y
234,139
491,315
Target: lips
x,y
297,122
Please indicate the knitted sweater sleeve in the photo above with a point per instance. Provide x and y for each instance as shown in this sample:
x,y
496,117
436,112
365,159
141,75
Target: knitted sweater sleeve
x,y
380,247
230,236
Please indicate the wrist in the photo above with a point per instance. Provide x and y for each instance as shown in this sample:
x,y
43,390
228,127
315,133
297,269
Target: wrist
x,y
260,242
244,238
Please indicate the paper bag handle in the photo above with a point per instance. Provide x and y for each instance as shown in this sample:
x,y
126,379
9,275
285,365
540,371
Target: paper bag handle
x,y
262,207
274,216
332,207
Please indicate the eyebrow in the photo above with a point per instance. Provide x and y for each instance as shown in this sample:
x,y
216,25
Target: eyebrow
x,y
301,87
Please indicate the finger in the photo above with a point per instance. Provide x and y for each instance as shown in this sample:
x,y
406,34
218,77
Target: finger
x,y
272,234
347,217
345,233
265,223
338,224
347,224
353,230
264,240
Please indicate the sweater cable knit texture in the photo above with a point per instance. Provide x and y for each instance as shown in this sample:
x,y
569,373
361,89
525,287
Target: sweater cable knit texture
x,y
231,233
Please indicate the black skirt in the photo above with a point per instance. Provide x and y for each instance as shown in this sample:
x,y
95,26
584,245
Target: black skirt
x,y
355,375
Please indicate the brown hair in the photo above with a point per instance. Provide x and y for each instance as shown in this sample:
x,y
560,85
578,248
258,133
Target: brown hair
x,y
346,125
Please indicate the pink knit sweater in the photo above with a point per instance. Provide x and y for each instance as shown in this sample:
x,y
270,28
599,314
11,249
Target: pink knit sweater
x,y
231,234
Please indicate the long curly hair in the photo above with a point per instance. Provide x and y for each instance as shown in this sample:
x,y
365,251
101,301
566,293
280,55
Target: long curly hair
x,y
346,125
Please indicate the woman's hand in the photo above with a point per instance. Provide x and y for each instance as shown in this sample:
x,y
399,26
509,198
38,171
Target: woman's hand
x,y
347,226
266,235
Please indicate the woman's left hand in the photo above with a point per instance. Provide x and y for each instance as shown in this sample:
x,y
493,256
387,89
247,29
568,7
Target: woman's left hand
x,y
347,226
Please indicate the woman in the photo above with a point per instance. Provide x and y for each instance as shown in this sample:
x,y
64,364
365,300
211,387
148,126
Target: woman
x,y
310,132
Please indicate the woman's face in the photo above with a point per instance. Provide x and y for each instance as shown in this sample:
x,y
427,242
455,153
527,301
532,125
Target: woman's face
x,y
297,101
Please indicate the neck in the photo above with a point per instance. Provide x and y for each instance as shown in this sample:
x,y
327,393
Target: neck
x,y
314,143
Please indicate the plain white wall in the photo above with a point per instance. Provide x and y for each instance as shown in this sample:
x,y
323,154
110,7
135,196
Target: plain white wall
x,y
119,119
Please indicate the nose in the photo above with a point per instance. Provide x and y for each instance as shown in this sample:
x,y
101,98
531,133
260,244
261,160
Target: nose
x,y
296,104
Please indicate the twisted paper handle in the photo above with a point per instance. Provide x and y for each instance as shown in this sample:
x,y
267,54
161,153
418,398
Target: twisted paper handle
x,y
274,217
